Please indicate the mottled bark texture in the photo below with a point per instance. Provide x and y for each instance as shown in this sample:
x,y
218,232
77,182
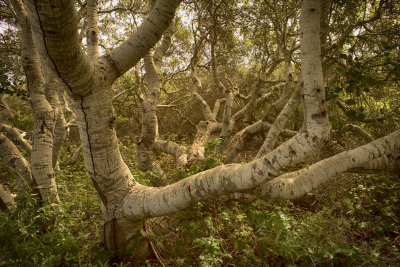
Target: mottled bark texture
x,y
149,133
295,184
44,116
88,83
15,162
279,123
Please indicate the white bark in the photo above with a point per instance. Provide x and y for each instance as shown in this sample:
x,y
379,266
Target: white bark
x,y
92,33
16,137
7,201
390,161
239,140
5,110
44,120
129,53
76,153
15,162
126,203
149,133
174,149
203,132
296,184
279,123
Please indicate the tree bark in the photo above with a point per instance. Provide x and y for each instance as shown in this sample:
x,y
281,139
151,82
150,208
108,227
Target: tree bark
x,y
278,125
44,120
6,199
296,184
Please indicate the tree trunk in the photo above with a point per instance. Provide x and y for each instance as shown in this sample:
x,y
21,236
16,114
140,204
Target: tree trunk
x,y
44,120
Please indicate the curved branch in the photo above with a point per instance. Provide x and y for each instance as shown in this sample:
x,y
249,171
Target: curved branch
x,y
357,130
296,184
125,56
279,123
16,137
14,160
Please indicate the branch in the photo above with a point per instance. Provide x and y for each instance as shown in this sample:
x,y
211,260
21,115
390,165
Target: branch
x,y
279,123
125,56
357,130
174,149
296,184
7,201
14,160
16,137
92,35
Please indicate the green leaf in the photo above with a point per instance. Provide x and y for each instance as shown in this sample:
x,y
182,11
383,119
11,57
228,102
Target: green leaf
x,y
350,102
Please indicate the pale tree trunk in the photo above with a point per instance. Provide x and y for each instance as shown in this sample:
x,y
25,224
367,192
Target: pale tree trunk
x,y
174,149
89,85
149,133
76,153
237,142
44,120
242,137
5,110
60,134
16,137
16,163
256,99
12,133
390,161
143,202
203,132
92,33
278,125
204,128
209,124
54,91
7,201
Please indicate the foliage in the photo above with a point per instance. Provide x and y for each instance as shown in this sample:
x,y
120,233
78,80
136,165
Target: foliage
x,y
66,233
358,225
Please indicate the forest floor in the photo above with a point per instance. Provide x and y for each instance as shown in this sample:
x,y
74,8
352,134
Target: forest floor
x,y
353,219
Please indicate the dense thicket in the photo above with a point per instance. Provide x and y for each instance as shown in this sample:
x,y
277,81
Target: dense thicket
x,y
175,103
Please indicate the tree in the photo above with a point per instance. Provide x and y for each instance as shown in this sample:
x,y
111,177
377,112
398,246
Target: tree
x,y
126,203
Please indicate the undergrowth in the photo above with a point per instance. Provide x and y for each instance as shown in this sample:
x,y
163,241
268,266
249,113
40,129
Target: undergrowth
x,y
352,220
